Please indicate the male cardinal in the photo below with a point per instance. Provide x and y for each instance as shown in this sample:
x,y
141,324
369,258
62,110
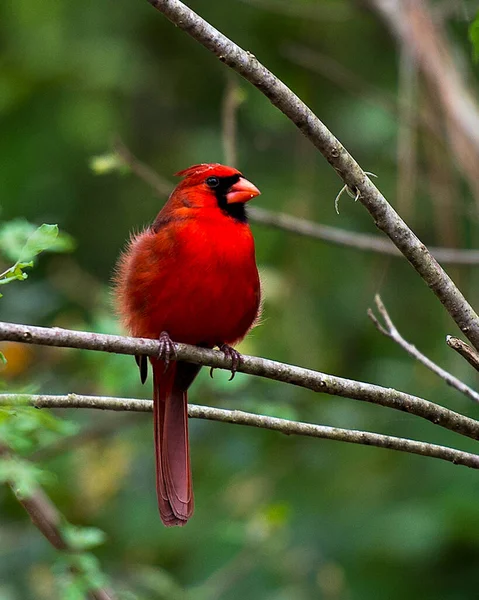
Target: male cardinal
x,y
191,277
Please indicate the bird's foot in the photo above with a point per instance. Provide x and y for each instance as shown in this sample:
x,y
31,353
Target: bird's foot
x,y
167,350
235,357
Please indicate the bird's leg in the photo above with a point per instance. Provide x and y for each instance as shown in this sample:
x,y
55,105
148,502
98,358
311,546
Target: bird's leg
x,y
235,357
167,350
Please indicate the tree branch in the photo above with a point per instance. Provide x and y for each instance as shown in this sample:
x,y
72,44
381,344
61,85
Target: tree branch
x,y
238,417
47,518
161,186
262,367
470,354
232,100
296,225
350,239
391,332
344,164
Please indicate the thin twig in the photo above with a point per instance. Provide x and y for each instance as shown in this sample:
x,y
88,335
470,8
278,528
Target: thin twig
x,y
407,134
239,417
334,235
48,520
231,102
162,186
470,354
343,163
351,239
390,331
262,367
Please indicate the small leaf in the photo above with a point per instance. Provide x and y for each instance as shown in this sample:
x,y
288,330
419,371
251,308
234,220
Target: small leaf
x,y
2,356
25,429
83,538
23,476
41,239
105,163
13,236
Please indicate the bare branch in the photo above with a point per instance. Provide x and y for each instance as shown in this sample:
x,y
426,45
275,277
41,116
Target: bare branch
x,y
344,164
391,332
470,354
351,239
162,186
334,235
231,102
262,367
238,417
48,519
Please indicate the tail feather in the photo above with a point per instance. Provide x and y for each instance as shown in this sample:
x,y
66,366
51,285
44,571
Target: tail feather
x,y
173,471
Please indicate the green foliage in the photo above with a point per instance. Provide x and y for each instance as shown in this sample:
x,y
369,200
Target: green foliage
x,y
25,429
474,37
83,538
77,574
21,241
107,163
22,475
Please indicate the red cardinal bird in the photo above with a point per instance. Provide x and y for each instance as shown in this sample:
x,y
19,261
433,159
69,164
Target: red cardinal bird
x,y
191,277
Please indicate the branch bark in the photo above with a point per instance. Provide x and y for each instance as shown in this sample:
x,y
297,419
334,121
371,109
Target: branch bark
x,y
470,354
238,417
262,367
343,163
351,239
390,331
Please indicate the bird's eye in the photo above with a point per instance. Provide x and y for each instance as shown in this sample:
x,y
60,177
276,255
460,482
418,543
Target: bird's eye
x,y
213,182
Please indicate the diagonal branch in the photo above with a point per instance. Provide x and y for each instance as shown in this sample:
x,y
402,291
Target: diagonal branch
x,y
351,239
470,354
48,519
334,235
262,367
343,163
239,417
389,330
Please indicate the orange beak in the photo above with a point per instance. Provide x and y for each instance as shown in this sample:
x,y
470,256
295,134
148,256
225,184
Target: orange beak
x,y
242,191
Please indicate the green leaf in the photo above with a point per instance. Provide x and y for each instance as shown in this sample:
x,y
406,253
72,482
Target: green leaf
x,y
77,574
22,475
474,37
13,236
20,241
83,538
25,429
41,239
2,356
106,163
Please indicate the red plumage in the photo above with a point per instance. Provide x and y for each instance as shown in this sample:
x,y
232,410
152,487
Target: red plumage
x,y
192,275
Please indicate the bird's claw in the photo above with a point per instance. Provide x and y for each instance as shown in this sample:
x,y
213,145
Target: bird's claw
x,y
235,357
167,350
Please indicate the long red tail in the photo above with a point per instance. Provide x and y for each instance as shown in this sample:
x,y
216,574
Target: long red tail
x,y
170,412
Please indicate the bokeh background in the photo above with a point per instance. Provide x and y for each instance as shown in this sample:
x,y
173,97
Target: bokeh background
x,y
276,517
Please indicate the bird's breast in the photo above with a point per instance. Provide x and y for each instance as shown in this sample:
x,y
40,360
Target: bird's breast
x,y
197,280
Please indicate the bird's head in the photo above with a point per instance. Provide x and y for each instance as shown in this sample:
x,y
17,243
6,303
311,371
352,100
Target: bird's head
x,y
212,185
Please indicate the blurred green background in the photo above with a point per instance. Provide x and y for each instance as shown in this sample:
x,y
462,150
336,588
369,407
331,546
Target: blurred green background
x,y
276,517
